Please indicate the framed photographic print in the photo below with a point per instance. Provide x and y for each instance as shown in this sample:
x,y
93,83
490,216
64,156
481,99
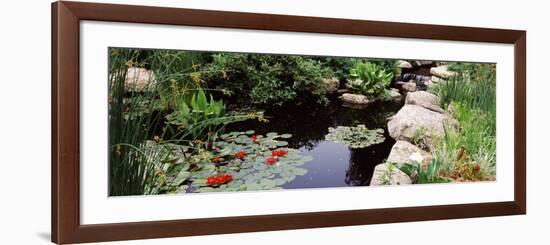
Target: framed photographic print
x,y
177,122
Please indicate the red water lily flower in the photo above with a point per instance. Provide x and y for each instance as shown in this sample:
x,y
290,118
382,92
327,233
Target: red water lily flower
x,y
240,155
270,161
219,179
279,153
216,159
254,137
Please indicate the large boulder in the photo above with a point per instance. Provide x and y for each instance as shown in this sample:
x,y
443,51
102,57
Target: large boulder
x,y
384,176
414,118
442,71
405,152
424,99
331,84
138,79
357,99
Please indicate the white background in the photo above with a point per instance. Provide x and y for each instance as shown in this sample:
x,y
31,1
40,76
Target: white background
x,y
25,127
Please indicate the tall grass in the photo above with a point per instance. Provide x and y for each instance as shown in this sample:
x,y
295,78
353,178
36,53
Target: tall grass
x,y
131,163
474,86
469,153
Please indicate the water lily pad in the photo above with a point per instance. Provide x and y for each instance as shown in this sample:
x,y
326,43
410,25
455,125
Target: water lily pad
x,y
252,172
355,137
285,136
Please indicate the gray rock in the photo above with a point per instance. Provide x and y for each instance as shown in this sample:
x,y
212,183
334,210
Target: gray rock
x,y
409,86
405,152
424,99
343,91
384,176
394,95
422,62
331,84
414,118
358,99
403,64
435,79
442,71
138,79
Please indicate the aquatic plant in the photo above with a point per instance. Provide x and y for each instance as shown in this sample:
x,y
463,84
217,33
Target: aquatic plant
x,y
254,162
203,118
355,137
369,79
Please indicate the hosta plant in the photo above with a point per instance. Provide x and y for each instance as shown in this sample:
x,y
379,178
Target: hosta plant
x,y
369,79
355,137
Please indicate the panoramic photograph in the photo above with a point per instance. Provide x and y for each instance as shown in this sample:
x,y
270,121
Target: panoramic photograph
x,y
198,122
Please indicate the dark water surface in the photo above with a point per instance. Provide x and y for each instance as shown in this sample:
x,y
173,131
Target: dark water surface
x,y
333,165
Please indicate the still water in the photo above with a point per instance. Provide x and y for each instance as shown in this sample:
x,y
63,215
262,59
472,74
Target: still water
x,y
333,165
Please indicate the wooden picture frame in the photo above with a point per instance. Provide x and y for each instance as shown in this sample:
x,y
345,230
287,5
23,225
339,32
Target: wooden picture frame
x,y
65,174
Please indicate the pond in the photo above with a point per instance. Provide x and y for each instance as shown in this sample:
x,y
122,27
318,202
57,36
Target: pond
x,y
333,164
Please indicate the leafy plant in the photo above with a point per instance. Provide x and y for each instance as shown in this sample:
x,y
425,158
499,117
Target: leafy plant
x,y
355,137
203,117
269,79
369,79
385,177
422,175
419,138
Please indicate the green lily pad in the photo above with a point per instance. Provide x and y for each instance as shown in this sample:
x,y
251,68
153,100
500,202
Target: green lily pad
x,y
355,137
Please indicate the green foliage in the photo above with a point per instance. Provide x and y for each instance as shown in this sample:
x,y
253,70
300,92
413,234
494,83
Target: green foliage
x,y
474,87
135,168
419,138
469,153
131,165
423,175
369,79
269,79
355,137
339,65
251,172
474,144
177,73
203,118
385,177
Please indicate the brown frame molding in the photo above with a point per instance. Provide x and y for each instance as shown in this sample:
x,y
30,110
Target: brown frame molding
x,y
66,227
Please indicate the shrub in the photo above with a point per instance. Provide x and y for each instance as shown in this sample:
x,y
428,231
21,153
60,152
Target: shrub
x,y
269,79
